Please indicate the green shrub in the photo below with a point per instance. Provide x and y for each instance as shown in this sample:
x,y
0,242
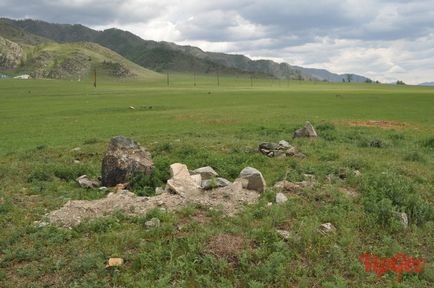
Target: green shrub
x,y
70,172
414,157
40,174
144,185
428,143
327,131
385,194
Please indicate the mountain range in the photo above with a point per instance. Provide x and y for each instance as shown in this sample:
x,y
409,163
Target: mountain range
x,y
160,56
427,84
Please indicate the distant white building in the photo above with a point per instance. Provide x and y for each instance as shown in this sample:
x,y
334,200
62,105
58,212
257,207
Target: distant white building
x,y
23,77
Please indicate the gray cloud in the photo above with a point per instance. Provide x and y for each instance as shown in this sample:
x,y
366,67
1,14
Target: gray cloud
x,y
389,39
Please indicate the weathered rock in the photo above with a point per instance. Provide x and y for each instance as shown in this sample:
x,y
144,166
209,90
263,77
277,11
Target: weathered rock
x,y
283,233
357,173
281,198
306,131
179,171
85,182
284,144
197,179
114,262
243,182
267,146
255,179
280,150
181,182
153,223
215,183
206,172
124,158
326,228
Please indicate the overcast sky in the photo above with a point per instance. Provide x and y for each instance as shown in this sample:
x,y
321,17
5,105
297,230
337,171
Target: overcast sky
x,y
384,40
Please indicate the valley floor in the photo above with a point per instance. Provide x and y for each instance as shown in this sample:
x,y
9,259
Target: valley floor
x,y
384,132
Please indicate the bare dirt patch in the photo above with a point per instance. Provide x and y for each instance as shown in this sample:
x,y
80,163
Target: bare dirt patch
x,y
229,199
384,124
228,246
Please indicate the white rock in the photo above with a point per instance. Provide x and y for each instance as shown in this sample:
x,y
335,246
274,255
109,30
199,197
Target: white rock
x,y
326,228
284,144
283,233
181,182
197,179
179,171
281,198
154,222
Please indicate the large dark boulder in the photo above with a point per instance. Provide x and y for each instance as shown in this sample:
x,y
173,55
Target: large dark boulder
x,y
123,159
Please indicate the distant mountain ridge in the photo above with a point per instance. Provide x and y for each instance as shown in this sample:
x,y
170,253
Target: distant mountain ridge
x,y
426,84
22,52
166,56
324,75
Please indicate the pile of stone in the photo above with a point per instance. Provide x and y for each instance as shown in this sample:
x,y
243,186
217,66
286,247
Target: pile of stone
x,y
280,150
124,158
183,181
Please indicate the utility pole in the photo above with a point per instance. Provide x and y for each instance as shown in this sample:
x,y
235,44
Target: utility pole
x,y
195,79
218,77
168,78
94,78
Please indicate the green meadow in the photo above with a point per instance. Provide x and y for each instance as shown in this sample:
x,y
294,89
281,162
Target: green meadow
x,y
201,120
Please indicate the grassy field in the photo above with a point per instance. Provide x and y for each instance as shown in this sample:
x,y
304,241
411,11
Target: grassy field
x,y
221,126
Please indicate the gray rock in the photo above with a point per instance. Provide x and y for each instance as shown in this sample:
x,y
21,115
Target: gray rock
x,y
267,146
284,144
307,131
280,150
124,158
85,182
215,183
310,130
255,179
153,223
206,172
281,198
